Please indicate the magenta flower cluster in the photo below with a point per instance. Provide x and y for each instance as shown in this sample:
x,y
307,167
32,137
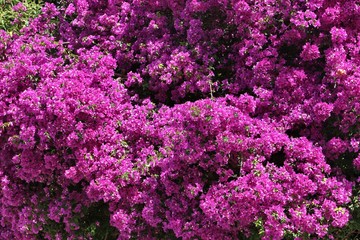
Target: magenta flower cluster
x,y
181,119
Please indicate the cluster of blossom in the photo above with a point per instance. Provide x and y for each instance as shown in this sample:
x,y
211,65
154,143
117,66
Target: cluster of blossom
x,y
180,119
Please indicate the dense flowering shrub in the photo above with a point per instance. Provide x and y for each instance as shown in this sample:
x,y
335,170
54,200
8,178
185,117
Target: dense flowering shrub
x,y
181,120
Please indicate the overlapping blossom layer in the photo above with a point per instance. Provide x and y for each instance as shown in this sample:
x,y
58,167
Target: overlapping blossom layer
x,y
181,119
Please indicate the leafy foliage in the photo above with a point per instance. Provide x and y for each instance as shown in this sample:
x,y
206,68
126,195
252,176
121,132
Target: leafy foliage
x,y
15,14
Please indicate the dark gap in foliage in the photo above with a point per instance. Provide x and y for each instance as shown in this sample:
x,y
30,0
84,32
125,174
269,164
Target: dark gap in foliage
x,y
278,158
190,97
159,234
290,53
209,179
345,163
78,187
69,151
329,128
235,163
52,228
35,186
295,131
212,18
98,212
58,135
178,181
53,52
170,17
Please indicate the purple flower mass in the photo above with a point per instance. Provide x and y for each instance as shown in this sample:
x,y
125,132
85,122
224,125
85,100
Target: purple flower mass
x,y
181,119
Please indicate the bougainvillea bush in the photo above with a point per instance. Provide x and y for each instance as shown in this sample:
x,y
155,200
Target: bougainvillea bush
x,y
181,119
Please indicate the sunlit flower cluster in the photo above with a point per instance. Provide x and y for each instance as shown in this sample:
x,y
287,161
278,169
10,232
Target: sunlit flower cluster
x,y
180,119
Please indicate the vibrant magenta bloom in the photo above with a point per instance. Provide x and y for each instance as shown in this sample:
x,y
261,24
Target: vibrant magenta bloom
x,y
180,119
